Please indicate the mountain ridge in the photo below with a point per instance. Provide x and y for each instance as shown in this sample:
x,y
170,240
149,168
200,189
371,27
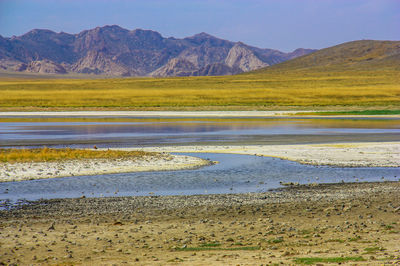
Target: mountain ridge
x,y
354,55
114,51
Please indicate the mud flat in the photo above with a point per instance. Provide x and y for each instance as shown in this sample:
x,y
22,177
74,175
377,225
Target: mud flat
x,y
362,154
41,170
347,223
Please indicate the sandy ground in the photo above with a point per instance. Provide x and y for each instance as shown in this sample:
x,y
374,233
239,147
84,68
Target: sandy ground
x,y
340,221
160,162
366,154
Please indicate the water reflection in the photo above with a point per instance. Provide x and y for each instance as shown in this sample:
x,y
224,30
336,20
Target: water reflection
x,y
156,131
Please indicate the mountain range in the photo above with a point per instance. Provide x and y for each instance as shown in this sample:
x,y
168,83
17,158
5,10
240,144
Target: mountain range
x,y
115,51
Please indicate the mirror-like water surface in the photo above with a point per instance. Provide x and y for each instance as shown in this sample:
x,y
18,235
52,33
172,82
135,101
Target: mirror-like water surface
x,y
146,131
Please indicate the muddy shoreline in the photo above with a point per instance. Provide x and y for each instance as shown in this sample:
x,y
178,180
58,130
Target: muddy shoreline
x,y
352,221
82,207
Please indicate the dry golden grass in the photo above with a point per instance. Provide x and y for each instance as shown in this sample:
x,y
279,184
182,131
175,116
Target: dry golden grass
x,y
47,154
301,89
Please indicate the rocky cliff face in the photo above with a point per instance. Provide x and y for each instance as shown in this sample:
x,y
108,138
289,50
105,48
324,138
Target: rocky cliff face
x,y
42,66
243,58
96,62
175,67
217,69
114,51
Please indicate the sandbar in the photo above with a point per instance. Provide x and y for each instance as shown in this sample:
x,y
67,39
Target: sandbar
x,y
361,154
41,170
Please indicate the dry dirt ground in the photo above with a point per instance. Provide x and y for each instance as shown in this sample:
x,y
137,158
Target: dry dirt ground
x,y
341,222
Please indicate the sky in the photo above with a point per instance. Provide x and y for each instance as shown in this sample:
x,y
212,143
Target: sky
x,y
279,24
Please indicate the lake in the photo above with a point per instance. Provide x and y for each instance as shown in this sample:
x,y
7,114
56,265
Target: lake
x,y
125,132
234,173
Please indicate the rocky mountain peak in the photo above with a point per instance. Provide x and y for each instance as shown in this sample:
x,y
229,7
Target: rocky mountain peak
x,y
41,36
242,57
107,29
38,33
114,28
146,33
203,35
206,39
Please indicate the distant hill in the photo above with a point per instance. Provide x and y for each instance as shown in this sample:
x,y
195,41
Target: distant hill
x,y
114,51
356,55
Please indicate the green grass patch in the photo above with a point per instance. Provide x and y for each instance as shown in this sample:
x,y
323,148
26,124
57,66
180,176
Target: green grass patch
x,y
305,232
210,245
327,260
373,250
335,240
275,240
354,239
208,248
48,154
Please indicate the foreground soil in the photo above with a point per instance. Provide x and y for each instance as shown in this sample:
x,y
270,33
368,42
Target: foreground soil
x,y
355,223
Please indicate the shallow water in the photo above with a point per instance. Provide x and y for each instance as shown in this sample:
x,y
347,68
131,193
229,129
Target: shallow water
x,y
150,132
234,174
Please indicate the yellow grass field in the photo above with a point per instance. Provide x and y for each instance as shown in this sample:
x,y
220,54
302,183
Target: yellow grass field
x,y
47,154
256,91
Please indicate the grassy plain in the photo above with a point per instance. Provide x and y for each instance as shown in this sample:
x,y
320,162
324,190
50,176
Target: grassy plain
x,y
47,154
319,90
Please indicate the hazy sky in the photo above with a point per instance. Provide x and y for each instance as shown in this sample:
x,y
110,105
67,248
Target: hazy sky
x,y
279,24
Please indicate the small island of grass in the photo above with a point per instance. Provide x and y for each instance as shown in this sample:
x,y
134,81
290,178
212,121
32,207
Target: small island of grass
x,y
27,164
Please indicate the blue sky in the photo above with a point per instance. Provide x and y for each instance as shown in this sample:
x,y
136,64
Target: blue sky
x,y
279,24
